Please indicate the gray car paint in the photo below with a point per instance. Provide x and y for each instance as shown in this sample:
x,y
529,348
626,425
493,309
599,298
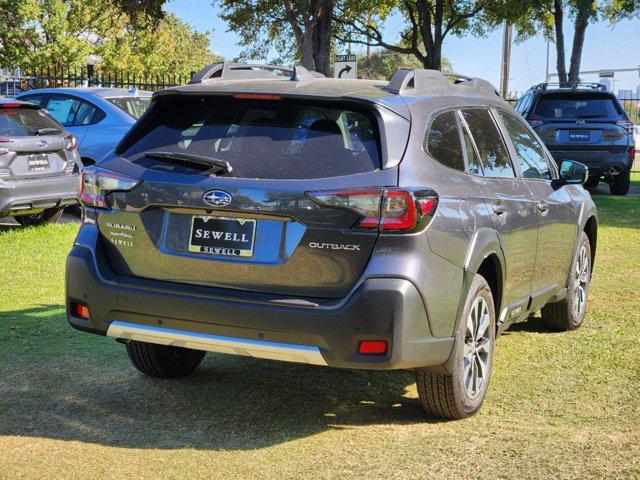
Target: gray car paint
x,y
24,192
533,251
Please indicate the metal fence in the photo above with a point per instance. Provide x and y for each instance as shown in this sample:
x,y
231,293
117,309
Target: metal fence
x,y
16,80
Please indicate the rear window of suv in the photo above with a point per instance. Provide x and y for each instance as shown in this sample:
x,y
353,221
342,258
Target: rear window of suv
x,y
260,138
26,122
133,106
571,106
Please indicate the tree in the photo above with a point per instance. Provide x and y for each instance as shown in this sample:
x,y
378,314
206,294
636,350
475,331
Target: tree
x,y
298,28
66,33
382,64
548,17
428,23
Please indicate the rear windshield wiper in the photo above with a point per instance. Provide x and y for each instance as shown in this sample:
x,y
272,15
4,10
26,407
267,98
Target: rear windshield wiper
x,y
216,166
45,131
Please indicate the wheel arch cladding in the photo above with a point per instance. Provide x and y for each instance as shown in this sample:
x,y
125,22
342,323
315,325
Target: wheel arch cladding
x,y
491,270
591,229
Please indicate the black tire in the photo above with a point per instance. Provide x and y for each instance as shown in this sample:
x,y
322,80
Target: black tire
x,y
162,361
445,395
620,183
592,183
563,315
51,215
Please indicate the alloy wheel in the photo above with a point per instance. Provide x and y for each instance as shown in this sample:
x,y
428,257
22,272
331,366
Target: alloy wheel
x,y
477,348
581,285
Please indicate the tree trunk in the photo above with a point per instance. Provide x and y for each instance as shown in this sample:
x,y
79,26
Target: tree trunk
x,y
558,17
581,23
322,38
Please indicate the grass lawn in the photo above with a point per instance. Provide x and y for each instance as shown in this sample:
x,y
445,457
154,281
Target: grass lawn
x,y
560,405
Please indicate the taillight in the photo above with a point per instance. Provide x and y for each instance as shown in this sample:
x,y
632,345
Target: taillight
x,y
71,142
387,209
98,183
626,124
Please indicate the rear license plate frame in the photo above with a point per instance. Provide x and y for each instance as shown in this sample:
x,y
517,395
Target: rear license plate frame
x,y
38,162
229,242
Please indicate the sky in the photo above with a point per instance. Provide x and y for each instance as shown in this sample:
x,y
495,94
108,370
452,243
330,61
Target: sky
x,y
605,48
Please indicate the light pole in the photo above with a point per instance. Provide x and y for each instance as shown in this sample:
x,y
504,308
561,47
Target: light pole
x,y
506,59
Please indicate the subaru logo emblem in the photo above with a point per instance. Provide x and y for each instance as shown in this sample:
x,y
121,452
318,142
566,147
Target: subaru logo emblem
x,y
217,198
42,144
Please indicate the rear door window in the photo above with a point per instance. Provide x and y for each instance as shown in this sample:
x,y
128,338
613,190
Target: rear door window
x,y
493,152
572,106
261,139
529,151
73,112
26,122
443,141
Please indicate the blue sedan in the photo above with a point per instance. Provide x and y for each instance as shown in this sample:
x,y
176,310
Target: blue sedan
x,y
98,116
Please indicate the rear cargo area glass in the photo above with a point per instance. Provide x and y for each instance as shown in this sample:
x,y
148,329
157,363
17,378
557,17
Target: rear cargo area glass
x,y
270,139
577,106
24,122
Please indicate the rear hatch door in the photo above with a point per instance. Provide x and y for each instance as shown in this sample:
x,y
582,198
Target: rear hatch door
x,y
32,145
582,121
254,227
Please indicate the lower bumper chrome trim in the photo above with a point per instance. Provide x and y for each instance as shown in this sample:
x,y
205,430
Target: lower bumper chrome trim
x,y
217,343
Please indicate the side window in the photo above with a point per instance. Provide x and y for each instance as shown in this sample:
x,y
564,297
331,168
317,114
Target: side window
x,y
72,112
492,150
35,99
443,141
531,155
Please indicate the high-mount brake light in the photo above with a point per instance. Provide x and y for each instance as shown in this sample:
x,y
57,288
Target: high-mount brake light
x,y
10,105
98,183
387,209
256,96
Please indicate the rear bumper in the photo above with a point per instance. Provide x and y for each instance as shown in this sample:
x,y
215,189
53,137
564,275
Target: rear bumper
x,y
600,163
389,309
37,194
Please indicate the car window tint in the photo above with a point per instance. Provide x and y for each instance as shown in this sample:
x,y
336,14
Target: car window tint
x,y
571,106
133,106
25,122
443,141
71,111
296,139
493,152
531,155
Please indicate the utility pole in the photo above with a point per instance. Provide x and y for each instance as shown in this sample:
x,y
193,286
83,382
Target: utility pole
x,y
506,59
546,75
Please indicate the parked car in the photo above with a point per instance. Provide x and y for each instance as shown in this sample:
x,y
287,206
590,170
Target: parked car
x,y
98,116
350,223
39,164
585,123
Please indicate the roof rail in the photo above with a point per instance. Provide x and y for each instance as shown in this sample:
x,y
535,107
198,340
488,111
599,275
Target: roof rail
x,y
246,71
424,82
569,85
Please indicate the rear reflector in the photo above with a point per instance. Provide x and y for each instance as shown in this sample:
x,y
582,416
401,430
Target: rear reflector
x,y
371,347
80,311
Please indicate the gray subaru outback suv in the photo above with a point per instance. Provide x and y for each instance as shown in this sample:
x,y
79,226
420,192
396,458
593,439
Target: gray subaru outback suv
x,y
350,223
39,165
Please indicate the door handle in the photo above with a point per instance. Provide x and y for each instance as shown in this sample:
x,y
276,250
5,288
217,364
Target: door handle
x,y
543,207
499,208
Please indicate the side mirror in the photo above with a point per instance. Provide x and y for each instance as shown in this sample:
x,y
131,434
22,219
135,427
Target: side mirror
x,y
573,172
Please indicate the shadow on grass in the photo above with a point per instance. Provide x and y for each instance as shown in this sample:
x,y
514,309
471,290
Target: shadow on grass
x,y
73,386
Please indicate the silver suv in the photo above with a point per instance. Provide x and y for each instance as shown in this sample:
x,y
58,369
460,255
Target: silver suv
x,y
357,224
39,165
